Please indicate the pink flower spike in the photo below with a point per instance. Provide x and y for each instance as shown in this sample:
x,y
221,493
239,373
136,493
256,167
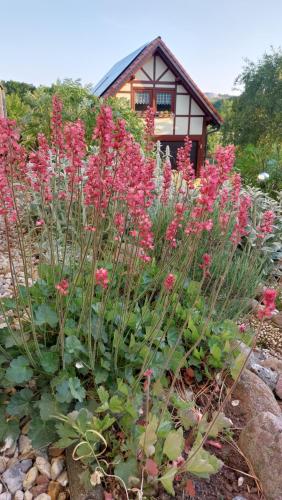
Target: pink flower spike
x,y
169,282
242,328
40,222
63,287
268,307
102,277
148,373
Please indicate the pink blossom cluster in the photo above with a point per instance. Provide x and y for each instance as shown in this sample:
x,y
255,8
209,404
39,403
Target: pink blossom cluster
x,y
167,177
184,164
149,128
266,225
240,228
205,265
63,287
75,149
175,224
225,158
169,282
102,277
268,300
57,127
40,169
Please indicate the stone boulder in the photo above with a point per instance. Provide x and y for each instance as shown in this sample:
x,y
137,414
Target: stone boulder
x,y
261,442
255,396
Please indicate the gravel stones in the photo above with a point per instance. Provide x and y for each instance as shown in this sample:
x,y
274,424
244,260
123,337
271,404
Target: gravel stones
x,y
14,475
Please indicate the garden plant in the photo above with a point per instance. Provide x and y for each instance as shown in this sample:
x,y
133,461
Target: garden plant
x,y
134,277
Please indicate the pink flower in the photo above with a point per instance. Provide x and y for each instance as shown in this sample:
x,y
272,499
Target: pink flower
x,y
184,164
63,287
242,328
102,277
266,225
268,299
167,176
241,220
57,126
148,373
206,262
40,222
92,229
169,282
149,128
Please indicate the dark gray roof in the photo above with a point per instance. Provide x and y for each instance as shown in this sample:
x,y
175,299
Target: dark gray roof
x,y
115,71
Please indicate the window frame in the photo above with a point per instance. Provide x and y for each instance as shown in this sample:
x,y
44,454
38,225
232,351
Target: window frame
x,y
142,90
172,92
153,99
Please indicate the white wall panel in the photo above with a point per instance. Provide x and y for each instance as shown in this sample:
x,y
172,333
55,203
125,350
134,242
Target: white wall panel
x,y
196,125
181,125
125,87
182,104
168,77
160,67
181,89
163,126
195,109
149,67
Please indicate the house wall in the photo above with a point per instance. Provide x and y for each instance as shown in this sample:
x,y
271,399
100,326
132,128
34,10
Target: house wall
x,y
187,117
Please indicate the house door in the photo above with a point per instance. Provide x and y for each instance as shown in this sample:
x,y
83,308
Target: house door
x,y
173,147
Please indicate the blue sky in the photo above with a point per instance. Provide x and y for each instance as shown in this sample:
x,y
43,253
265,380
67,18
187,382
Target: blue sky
x,y
42,40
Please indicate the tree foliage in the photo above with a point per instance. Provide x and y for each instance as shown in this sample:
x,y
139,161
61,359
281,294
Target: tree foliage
x,y
31,107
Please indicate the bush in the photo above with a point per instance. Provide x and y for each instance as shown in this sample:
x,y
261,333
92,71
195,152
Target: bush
x,y
134,278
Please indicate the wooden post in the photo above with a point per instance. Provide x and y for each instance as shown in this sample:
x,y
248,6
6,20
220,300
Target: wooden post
x,y
3,112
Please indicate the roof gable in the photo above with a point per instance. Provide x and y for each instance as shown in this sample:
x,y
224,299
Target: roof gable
x,y
122,71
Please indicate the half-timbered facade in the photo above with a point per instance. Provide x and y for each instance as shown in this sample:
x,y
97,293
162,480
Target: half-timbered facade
x,y
152,76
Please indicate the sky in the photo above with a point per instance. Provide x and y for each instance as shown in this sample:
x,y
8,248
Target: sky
x,y
43,40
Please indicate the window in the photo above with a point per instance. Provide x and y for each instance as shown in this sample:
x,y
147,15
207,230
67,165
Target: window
x,y
142,100
164,101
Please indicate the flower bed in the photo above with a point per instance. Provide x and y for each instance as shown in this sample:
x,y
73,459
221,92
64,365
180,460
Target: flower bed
x,y
139,278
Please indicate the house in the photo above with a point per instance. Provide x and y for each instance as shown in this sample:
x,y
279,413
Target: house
x,y
2,102
152,76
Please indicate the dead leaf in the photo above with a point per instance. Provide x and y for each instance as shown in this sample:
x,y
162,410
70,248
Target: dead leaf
x,y
151,467
215,444
190,488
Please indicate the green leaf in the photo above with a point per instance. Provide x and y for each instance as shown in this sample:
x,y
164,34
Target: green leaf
x,y
103,394
237,365
116,404
122,387
216,352
44,314
149,437
50,361
41,432
63,394
173,445
220,422
73,345
76,389
202,463
167,480
19,371
19,404
48,407
126,469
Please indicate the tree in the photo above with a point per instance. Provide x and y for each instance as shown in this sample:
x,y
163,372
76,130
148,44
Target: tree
x,y
19,88
257,112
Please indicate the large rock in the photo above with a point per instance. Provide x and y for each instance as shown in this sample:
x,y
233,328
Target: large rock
x,y
268,376
261,442
255,396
